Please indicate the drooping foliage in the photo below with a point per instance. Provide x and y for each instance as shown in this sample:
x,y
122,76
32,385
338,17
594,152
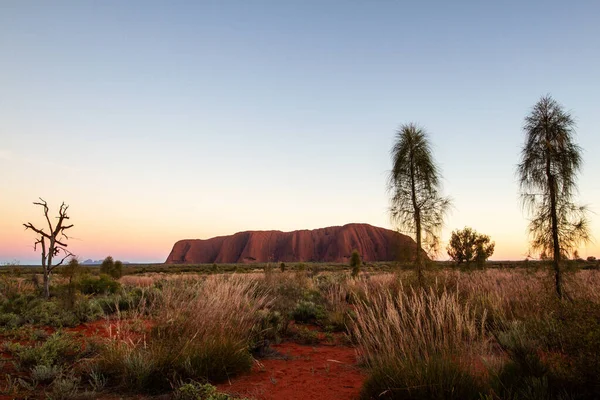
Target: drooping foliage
x,y
550,162
417,205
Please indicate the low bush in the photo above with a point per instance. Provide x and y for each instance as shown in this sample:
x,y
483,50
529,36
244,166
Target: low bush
x,y
87,310
64,388
101,285
198,391
306,336
307,311
560,353
10,320
270,327
59,348
124,300
45,373
49,313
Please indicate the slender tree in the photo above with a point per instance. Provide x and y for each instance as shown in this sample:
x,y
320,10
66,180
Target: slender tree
x,y
52,242
414,183
550,162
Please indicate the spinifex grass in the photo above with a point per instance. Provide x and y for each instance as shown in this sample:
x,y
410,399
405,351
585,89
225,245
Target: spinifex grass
x,y
418,344
201,331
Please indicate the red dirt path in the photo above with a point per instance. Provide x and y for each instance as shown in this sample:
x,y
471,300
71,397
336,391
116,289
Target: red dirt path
x,y
307,372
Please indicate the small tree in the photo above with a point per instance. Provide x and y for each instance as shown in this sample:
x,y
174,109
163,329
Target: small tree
x,y
107,265
51,242
111,267
467,245
71,271
355,263
117,270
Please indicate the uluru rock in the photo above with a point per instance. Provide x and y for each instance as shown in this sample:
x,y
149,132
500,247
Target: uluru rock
x,y
334,244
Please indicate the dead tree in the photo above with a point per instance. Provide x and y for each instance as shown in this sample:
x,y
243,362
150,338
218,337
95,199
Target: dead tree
x,y
52,243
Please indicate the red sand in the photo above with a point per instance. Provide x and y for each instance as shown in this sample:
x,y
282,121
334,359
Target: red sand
x,y
297,372
308,372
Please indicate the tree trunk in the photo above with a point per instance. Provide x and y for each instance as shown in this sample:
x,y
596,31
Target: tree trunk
x,y
417,211
46,285
554,220
48,269
45,268
418,259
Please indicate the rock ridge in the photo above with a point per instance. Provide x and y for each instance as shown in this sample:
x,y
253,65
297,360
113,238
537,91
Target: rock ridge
x,y
332,244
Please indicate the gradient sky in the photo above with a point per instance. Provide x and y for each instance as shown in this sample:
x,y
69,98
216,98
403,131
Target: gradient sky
x,y
157,121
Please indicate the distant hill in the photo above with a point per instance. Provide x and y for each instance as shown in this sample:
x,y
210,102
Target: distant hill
x,y
332,244
89,261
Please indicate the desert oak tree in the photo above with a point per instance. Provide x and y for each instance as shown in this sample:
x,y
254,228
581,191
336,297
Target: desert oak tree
x,y
417,205
51,242
466,245
550,161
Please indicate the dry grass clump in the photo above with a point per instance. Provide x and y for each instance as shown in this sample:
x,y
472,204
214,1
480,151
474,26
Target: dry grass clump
x,y
137,281
202,331
418,344
485,334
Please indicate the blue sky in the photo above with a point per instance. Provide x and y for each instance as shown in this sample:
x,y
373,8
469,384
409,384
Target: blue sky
x,y
158,121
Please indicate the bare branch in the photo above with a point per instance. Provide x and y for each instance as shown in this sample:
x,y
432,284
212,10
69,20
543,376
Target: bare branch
x,y
44,204
29,225
67,255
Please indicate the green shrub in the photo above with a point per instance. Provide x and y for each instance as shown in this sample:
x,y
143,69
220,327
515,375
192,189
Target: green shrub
x,y
102,285
198,391
308,311
49,313
87,310
45,373
58,349
64,388
270,327
117,270
10,320
306,336
136,298
72,273
559,355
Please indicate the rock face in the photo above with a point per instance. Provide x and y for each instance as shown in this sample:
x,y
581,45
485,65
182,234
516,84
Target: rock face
x,y
333,244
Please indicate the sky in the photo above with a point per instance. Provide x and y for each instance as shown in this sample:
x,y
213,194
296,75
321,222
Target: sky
x,y
158,121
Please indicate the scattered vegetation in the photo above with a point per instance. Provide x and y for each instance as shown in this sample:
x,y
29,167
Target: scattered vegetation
x,y
496,333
